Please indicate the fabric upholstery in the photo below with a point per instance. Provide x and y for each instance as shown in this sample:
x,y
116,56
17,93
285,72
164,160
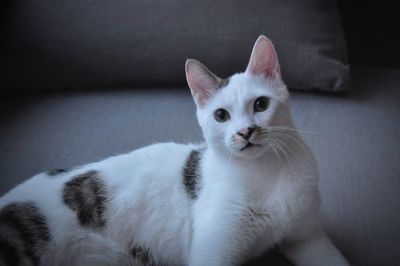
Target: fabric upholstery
x,y
53,44
355,138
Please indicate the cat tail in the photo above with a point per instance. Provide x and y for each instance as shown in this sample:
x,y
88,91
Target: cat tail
x,y
87,249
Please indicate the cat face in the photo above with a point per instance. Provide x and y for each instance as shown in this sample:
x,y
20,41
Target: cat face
x,y
235,113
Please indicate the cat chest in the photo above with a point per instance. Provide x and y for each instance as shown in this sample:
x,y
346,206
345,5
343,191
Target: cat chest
x,y
268,223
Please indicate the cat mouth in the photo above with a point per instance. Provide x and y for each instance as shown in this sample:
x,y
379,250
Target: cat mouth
x,y
248,145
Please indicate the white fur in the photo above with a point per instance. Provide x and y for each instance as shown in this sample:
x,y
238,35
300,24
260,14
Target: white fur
x,y
248,202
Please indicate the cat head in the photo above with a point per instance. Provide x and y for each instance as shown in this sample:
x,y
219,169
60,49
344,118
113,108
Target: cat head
x,y
235,114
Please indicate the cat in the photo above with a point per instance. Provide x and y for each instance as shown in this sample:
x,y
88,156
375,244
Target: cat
x,y
251,186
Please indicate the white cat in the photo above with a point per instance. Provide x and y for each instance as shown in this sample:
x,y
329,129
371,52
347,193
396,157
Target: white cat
x,y
252,186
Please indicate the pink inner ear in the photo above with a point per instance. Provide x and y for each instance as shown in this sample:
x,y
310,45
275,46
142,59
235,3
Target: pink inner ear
x,y
199,86
201,81
263,59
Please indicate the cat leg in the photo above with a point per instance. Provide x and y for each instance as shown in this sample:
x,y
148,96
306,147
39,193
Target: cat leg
x,y
314,250
211,246
218,237
87,249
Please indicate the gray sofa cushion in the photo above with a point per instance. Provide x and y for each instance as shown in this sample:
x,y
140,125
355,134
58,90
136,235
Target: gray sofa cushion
x,y
52,44
355,139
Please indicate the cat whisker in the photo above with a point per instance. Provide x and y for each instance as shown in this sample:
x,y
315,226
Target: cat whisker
x,y
284,153
285,145
229,156
300,163
286,128
275,151
280,134
263,133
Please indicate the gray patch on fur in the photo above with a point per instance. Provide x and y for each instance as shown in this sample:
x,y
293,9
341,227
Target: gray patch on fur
x,y
191,174
55,172
143,256
24,234
251,215
86,195
223,83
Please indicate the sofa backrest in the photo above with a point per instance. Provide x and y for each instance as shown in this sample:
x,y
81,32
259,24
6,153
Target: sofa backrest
x,y
58,44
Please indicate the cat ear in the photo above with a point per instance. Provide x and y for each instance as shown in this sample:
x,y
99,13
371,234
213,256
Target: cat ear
x,y
263,59
202,82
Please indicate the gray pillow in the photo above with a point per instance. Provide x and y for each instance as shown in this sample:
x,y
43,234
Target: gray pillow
x,y
53,44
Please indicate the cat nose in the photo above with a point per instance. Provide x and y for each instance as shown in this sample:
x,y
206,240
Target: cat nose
x,y
246,132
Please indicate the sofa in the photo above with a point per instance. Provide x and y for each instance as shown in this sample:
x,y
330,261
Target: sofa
x,y
55,113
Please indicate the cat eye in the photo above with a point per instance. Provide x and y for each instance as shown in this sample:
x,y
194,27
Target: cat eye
x,y
261,104
221,115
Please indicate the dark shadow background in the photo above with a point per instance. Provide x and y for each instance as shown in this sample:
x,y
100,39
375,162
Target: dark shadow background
x,y
372,30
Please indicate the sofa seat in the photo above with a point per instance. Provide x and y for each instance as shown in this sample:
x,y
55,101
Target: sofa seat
x,y
355,138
